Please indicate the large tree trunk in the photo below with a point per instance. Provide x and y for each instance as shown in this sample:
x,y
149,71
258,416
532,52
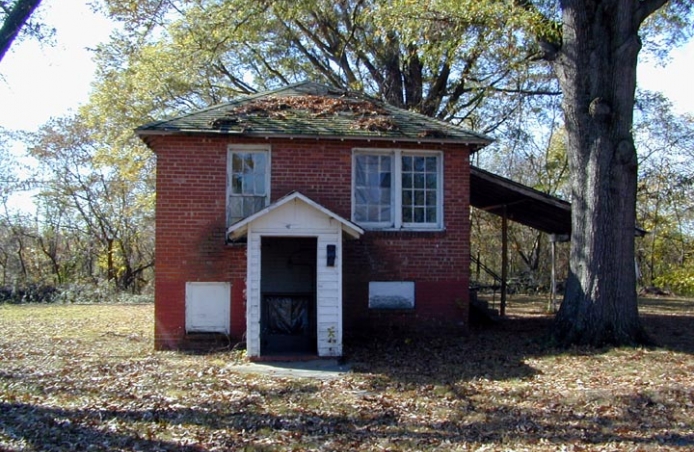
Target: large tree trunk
x,y
596,66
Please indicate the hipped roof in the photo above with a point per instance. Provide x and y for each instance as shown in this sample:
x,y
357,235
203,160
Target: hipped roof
x,y
313,110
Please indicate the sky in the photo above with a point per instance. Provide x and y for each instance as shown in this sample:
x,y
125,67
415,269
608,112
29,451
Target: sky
x,y
38,81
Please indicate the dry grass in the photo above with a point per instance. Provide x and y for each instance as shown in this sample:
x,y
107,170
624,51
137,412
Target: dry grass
x,y
85,378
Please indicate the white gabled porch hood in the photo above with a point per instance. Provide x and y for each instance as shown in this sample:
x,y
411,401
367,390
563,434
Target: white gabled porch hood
x,y
295,215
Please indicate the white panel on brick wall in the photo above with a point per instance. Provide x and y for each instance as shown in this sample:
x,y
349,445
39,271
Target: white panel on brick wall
x,y
208,307
391,294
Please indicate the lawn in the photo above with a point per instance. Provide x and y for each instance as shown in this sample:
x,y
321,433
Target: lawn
x,y
85,377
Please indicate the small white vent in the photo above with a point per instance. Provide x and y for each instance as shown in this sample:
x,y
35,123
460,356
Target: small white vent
x,y
208,306
391,295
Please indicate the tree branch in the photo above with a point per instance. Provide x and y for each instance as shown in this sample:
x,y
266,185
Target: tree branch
x,y
14,22
549,35
646,8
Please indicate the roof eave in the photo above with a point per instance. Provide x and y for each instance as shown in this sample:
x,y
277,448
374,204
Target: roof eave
x,y
478,143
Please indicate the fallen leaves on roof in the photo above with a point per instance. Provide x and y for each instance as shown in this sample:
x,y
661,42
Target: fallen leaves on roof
x,y
366,115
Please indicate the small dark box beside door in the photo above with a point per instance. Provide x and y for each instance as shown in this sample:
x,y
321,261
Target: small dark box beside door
x,y
332,253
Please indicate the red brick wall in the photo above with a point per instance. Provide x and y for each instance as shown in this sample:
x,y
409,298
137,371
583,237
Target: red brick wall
x,y
191,190
438,262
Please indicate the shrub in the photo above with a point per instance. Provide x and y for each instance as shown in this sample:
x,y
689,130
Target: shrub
x,y
678,280
71,293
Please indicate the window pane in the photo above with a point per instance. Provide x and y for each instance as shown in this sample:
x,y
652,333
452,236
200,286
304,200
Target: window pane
x,y
360,173
235,212
407,197
237,162
431,215
385,197
418,215
247,206
431,198
385,163
374,213
360,212
236,186
419,164
385,213
431,165
259,162
246,184
247,163
360,197
407,180
372,162
407,214
259,186
385,180
419,181
419,198
431,180
407,164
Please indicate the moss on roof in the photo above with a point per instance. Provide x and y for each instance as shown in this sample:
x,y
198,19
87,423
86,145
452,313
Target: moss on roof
x,y
314,110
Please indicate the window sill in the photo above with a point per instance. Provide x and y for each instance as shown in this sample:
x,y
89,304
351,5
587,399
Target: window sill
x,y
408,229
406,233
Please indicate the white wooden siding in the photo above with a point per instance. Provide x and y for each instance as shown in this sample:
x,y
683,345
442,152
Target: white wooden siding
x,y
298,219
253,295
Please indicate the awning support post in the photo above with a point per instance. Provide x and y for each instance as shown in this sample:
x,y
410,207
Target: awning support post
x,y
504,261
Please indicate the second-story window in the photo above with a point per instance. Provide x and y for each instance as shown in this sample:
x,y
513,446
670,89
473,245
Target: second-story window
x,y
397,189
248,182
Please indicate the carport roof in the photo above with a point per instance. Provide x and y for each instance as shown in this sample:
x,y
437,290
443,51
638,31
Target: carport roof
x,y
525,205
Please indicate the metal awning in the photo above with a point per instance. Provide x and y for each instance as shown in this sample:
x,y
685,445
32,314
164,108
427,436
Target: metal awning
x,y
525,205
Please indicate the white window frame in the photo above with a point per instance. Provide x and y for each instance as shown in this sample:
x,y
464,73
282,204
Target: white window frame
x,y
396,222
246,149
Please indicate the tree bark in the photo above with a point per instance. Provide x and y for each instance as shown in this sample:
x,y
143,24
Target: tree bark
x,y
13,23
596,67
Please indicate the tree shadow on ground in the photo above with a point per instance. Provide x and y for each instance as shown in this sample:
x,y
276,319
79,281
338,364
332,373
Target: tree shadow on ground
x,y
636,420
495,352
671,332
669,322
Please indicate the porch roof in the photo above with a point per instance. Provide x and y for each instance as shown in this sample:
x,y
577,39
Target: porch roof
x,y
493,193
240,229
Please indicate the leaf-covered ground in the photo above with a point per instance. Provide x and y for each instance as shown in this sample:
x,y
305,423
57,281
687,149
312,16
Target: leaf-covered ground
x,y
85,377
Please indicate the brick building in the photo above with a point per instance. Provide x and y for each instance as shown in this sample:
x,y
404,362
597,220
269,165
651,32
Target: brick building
x,y
307,214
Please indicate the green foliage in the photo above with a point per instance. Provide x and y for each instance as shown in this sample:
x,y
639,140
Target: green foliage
x,y
97,205
665,144
476,63
440,63
678,280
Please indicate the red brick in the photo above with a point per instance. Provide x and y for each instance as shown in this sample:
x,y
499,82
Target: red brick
x,y
191,192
